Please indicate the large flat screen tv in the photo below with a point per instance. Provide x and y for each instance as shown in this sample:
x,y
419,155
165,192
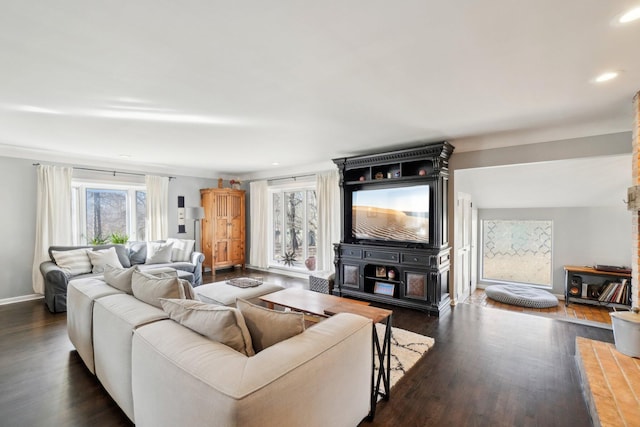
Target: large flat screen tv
x,y
391,214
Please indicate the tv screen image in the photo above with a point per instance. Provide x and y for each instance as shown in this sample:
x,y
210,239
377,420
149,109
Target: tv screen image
x,y
391,214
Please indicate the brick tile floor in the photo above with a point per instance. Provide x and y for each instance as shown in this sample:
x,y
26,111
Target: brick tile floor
x,y
611,381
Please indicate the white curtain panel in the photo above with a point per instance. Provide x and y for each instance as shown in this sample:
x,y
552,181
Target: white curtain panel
x,y
259,205
53,216
328,194
157,207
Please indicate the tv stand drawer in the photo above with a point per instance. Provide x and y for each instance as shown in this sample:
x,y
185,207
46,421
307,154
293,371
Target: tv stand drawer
x,y
381,256
424,260
350,252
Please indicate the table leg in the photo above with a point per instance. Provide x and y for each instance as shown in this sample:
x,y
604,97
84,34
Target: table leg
x,y
384,372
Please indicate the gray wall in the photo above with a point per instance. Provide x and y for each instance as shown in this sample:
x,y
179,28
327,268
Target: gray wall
x,y
18,217
188,187
17,226
581,236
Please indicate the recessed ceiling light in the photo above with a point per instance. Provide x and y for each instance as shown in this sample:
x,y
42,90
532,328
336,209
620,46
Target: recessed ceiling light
x,y
275,164
605,77
629,16
124,156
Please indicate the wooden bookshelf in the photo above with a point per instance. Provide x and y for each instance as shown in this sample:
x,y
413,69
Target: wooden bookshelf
x,y
587,285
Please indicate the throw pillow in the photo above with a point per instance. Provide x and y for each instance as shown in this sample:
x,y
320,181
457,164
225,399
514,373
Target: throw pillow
x,y
158,253
150,289
137,252
189,293
120,278
103,257
182,249
268,327
216,322
73,262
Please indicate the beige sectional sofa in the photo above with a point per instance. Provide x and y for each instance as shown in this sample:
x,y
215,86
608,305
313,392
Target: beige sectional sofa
x,y
163,374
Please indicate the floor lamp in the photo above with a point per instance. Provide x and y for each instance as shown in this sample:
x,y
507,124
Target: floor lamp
x,y
196,214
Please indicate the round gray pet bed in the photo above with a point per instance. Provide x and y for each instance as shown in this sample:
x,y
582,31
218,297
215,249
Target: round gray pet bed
x,y
523,296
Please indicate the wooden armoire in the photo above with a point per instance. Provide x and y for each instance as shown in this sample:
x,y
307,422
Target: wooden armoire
x,y
223,227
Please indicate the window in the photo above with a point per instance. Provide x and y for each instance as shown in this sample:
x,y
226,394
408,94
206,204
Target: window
x,y
518,251
294,226
103,209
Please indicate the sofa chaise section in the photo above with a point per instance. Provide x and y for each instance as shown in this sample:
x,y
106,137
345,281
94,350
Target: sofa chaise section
x,y
115,318
81,295
321,377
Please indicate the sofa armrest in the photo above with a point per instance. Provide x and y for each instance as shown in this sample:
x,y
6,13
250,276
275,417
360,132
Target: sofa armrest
x,y
197,258
299,381
55,286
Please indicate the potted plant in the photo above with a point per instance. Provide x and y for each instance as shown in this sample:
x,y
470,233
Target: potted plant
x,y
118,238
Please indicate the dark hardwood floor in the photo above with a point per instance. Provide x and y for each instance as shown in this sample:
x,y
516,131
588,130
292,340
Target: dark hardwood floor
x,y
488,368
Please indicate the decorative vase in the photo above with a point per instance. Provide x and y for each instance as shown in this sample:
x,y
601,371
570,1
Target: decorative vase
x,y
235,186
391,274
310,263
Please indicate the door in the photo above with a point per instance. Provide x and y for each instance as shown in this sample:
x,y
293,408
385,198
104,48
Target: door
x,y
463,221
236,232
206,241
221,237
474,249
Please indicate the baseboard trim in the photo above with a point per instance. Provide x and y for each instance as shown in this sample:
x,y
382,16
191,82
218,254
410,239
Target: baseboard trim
x,y
22,298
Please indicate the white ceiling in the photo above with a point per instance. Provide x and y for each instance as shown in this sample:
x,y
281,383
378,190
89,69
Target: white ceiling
x,y
232,87
586,182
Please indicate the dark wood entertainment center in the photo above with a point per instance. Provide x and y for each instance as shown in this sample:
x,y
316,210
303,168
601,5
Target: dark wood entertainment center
x,y
409,273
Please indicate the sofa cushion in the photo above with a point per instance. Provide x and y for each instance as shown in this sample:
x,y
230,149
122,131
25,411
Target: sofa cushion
x,y
182,249
167,272
73,262
120,278
222,324
121,250
102,257
268,327
158,253
150,289
137,252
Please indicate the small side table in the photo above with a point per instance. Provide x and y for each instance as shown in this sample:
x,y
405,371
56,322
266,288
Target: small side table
x,y
381,352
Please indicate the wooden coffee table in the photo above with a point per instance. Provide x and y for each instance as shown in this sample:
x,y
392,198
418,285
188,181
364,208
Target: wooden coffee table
x,y
327,305
306,301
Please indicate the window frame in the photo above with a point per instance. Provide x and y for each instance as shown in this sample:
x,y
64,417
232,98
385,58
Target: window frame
x,y
287,188
79,206
481,246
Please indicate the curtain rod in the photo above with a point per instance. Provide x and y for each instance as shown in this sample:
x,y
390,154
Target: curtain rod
x,y
291,177
114,172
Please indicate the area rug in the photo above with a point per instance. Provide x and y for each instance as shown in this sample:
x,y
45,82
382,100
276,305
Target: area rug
x,y
406,349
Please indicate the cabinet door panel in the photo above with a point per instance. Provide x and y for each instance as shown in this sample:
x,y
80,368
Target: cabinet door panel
x,y
222,229
415,285
237,252
351,275
221,253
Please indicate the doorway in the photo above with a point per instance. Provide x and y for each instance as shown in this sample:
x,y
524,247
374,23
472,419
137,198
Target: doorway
x,y
464,247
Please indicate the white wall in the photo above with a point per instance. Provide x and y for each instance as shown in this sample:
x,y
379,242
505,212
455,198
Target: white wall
x,y
581,236
18,216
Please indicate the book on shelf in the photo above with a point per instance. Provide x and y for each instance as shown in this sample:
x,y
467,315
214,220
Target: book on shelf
x,y
615,292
